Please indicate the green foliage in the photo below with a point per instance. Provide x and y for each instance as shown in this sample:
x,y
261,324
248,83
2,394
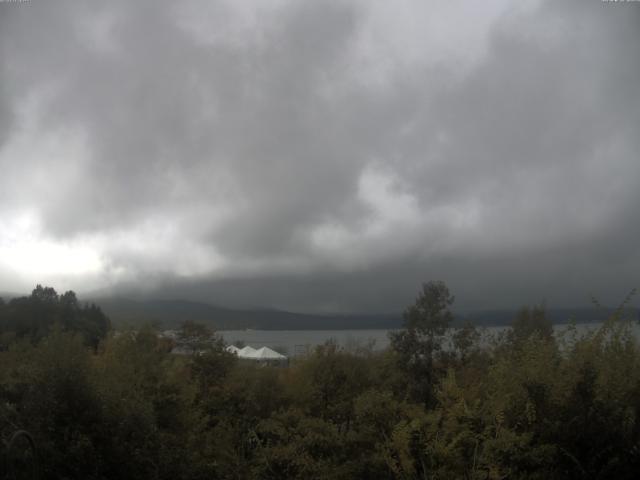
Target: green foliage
x,y
466,341
35,316
531,321
419,344
330,380
528,405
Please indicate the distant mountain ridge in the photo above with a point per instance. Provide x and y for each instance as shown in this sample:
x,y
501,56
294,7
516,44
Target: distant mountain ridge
x,y
170,313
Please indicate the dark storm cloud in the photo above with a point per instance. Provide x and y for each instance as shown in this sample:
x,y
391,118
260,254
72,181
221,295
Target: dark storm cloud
x,y
266,156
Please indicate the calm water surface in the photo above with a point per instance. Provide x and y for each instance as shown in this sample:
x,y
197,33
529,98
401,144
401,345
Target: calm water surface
x,y
295,342
292,342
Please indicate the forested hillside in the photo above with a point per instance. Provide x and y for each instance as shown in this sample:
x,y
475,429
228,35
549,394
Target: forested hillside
x,y
525,404
171,313
167,314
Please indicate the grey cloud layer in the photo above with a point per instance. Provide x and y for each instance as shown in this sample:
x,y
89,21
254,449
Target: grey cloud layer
x,y
273,148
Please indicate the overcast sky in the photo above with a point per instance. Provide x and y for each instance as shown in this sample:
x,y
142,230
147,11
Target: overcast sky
x,y
321,155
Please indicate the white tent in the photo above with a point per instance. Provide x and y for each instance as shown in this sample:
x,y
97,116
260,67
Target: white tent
x,y
262,355
232,349
265,353
246,352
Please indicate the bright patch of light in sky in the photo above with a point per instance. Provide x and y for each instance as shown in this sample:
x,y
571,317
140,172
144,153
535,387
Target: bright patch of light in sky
x,y
24,251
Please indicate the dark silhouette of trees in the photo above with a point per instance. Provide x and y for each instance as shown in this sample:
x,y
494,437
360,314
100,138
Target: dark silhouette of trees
x,y
35,316
531,321
526,404
420,341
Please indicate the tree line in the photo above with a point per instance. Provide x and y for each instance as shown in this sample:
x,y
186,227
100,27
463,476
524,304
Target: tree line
x,y
33,317
524,404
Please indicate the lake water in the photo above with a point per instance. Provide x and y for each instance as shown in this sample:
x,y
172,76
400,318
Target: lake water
x,y
298,342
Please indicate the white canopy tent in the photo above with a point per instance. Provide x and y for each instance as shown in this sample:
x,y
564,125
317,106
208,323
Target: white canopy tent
x,y
265,353
246,352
